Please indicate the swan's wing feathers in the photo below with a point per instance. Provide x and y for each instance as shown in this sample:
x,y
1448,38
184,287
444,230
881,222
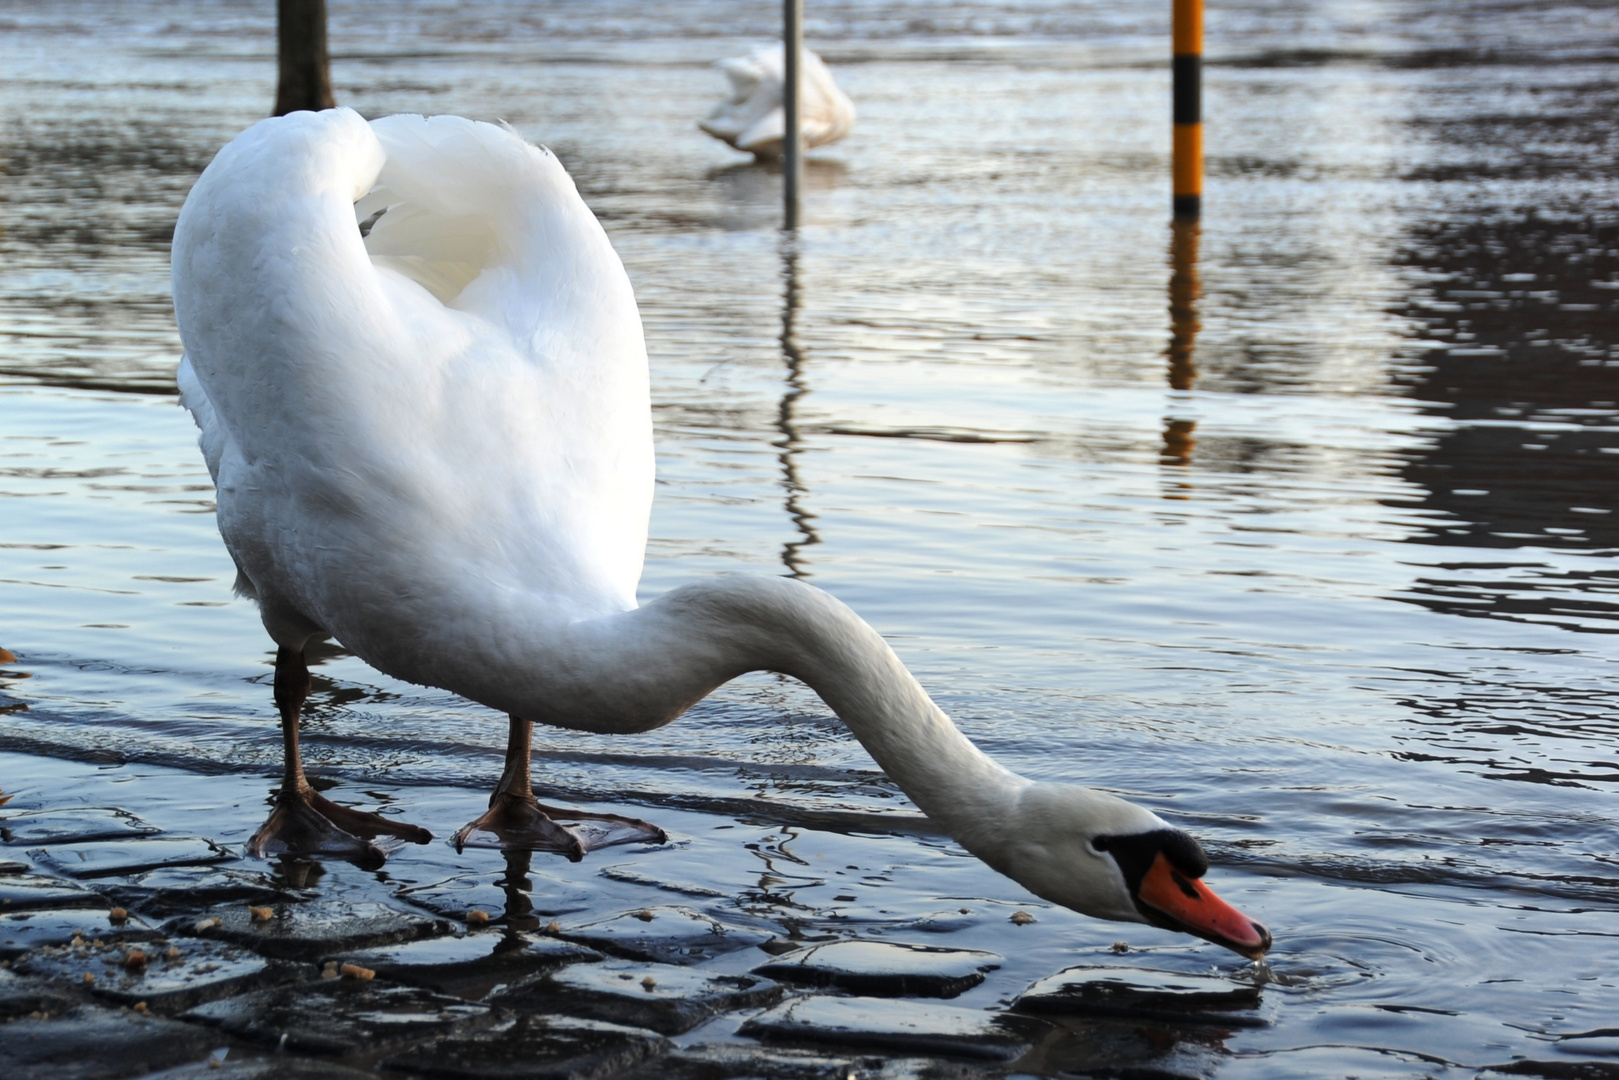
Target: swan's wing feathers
x,y
270,275
532,426
450,409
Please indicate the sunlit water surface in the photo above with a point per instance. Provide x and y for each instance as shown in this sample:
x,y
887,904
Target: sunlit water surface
x,y
1299,529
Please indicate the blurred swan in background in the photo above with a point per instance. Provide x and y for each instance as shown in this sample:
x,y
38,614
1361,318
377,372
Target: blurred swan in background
x,y
753,118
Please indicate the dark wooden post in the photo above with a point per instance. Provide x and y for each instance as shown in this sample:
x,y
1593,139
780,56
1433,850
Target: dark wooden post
x,y
305,75
792,143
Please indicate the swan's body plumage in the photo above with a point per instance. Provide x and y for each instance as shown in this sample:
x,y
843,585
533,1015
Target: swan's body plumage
x,y
433,443
447,417
752,117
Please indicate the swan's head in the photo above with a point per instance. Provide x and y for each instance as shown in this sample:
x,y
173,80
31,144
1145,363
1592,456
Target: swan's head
x,y
1111,859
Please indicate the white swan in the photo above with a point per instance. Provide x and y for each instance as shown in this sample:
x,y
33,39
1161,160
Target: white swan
x,y
434,444
753,118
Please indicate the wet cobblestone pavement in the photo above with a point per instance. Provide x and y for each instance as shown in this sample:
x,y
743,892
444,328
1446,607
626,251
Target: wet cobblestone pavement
x,y
132,949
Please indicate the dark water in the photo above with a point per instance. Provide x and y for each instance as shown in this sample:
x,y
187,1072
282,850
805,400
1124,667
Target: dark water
x,y
1299,528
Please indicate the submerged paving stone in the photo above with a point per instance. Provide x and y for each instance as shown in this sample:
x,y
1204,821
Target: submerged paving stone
x,y
92,1043
470,965
1142,994
311,931
948,922
540,898
115,858
41,827
1102,1047
1554,1070
724,1060
30,892
168,977
928,1068
898,1027
534,1048
174,890
31,930
278,1067
661,997
667,934
1372,1063
20,996
884,968
339,1015
634,876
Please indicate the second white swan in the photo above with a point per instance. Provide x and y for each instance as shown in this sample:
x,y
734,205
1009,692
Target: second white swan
x,y
752,117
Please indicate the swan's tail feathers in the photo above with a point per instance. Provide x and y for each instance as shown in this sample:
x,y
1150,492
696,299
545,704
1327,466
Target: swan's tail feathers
x,y
243,586
212,438
211,433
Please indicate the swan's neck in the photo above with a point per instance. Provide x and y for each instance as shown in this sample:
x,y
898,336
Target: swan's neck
x,y
640,669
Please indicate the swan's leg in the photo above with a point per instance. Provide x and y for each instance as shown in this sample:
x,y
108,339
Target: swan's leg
x,y
304,821
516,821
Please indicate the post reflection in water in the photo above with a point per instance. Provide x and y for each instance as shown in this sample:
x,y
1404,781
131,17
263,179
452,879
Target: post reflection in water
x,y
790,443
515,884
296,873
1179,440
1515,345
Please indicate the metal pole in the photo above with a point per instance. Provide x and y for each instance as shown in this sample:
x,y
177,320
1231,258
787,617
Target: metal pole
x,y
1188,108
792,156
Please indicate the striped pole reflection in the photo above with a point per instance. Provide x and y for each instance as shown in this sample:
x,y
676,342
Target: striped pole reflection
x,y
1188,108
1180,432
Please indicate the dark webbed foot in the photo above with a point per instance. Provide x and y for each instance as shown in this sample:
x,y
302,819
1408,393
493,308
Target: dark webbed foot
x,y
516,823
308,823
305,822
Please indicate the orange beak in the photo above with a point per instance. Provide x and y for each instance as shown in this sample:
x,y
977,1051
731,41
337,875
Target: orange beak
x,y
1190,905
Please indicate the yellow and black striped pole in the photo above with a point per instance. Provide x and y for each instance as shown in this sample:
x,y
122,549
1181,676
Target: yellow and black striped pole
x,y
1188,108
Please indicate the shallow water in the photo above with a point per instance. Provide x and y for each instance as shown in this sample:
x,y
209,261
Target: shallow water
x,y
1298,528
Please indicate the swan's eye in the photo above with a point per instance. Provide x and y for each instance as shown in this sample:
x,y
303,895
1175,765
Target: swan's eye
x,y
1099,844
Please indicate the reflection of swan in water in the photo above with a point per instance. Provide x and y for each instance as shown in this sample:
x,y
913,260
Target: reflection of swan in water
x,y
751,189
434,444
753,119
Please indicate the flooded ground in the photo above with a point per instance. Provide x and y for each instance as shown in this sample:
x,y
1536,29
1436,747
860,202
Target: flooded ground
x,y
1298,527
